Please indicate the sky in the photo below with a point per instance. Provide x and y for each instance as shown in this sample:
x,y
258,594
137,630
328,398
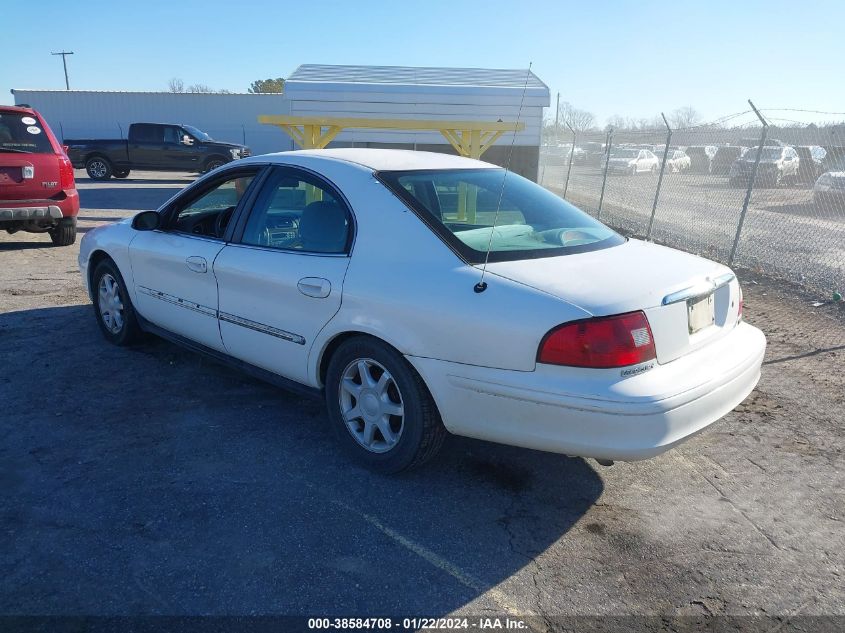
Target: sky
x,y
633,59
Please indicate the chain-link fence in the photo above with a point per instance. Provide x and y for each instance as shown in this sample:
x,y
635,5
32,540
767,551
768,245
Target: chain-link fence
x,y
765,196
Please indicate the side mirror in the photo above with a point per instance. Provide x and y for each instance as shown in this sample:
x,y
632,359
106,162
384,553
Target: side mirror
x,y
146,221
187,140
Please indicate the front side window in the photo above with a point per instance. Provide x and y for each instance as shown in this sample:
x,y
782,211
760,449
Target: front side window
x,y
172,135
470,208
298,212
209,213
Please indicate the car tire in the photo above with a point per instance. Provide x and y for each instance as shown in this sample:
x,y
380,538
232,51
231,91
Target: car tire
x,y
98,168
64,234
365,381
123,173
212,164
112,305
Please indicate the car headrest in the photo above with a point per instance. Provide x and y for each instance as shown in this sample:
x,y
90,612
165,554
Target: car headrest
x,y
323,227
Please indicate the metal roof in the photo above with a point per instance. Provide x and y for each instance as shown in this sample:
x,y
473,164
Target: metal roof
x,y
409,75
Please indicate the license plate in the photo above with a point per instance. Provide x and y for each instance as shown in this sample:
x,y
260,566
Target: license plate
x,y
701,313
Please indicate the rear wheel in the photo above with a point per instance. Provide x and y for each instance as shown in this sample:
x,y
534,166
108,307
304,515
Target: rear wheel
x,y
65,233
112,306
98,168
380,408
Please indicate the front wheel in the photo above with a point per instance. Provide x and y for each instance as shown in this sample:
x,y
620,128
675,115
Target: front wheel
x,y
112,305
380,408
98,168
213,164
64,234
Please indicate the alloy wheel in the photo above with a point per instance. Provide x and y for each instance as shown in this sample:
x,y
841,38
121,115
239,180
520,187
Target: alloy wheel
x,y
371,405
110,304
97,169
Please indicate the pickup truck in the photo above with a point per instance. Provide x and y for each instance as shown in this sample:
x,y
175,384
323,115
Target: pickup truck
x,y
153,147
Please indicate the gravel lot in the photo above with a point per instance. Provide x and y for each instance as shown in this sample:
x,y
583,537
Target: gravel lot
x,y
152,481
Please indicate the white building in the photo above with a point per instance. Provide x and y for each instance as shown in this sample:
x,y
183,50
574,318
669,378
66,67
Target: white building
x,y
392,92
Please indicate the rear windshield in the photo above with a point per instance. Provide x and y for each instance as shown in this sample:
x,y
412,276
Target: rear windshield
x,y
21,132
463,207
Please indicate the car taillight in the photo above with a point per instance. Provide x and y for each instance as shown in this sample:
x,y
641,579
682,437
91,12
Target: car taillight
x,y
66,173
600,343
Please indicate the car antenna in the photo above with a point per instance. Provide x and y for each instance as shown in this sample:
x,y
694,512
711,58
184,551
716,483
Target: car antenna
x,y
481,286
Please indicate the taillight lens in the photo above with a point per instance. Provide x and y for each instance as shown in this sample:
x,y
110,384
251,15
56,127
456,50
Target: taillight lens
x,y
66,173
600,343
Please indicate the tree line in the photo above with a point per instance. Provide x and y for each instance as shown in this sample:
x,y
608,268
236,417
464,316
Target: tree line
x,y
259,86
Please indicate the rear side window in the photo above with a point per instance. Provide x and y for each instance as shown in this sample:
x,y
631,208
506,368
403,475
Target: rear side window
x,y
472,209
23,133
298,212
142,133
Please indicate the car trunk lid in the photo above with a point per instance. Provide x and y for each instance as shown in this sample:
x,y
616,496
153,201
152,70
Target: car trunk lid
x,y
677,291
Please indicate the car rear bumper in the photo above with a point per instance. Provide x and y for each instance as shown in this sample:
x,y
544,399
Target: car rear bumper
x,y
598,413
40,210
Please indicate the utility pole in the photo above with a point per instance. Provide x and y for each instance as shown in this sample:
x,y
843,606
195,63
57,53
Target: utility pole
x,y
557,119
64,55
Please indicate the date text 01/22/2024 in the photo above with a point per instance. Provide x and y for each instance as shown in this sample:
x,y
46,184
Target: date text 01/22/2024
x,y
416,624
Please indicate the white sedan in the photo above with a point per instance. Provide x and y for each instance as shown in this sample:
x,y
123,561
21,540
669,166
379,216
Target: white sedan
x,y
677,161
633,161
356,275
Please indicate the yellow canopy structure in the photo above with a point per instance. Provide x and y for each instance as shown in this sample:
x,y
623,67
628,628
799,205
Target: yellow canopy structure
x,y
469,138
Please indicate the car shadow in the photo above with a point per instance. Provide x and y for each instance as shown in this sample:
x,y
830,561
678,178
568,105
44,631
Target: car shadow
x,y
15,245
175,485
130,199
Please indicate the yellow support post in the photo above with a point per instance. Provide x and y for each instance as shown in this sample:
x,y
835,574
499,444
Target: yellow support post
x,y
307,132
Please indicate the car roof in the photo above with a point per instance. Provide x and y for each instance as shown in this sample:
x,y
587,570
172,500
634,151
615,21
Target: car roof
x,y
22,109
382,159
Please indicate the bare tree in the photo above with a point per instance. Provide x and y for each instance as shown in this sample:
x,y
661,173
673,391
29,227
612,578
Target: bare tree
x,y
684,117
176,85
200,88
578,120
617,122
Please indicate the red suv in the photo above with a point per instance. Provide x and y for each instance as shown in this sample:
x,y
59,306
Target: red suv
x,y
37,189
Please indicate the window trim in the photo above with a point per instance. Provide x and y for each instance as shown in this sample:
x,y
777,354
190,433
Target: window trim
x,y
201,187
469,255
296,171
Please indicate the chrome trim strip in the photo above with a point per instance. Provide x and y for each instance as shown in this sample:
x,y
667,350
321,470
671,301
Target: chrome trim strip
x,y
700,289
184,303
723,280
224,316
260,327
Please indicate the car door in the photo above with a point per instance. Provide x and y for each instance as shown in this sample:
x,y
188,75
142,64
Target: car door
x,y
146,145
280,281
172,267
642,161
176,155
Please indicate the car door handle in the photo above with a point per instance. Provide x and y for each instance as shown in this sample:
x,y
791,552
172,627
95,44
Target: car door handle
x,y
316,287
197,264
